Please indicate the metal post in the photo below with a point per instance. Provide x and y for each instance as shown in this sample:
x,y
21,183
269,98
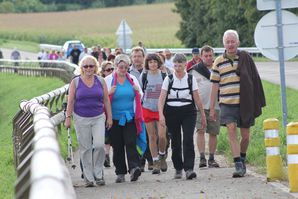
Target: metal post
x,y
281,61
124,37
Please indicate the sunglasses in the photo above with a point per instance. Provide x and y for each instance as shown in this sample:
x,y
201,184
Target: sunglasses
x,y
109,69
88,66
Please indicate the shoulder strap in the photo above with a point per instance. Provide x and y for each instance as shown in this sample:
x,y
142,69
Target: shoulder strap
x,y
100,79
76,80
189,81
144,81
163,75
171,81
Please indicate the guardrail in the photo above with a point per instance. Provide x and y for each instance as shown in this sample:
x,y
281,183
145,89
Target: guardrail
x,y
61,69
40,169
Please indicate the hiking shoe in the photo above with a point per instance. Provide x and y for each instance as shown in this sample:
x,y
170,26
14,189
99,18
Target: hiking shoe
x,y
244,166
89,184
239,170
203,163
100,182
107,161
156,167
134,174
212,164
190,174
178,174
150,166
120,178
163,163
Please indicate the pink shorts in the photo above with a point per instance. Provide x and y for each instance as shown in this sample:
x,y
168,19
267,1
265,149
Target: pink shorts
x,y
150,116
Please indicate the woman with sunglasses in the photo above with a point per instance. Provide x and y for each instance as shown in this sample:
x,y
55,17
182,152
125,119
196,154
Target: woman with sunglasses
x,y
87,99
107,67
125,95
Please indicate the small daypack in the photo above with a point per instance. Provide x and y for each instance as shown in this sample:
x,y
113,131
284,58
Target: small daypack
x,y
170,86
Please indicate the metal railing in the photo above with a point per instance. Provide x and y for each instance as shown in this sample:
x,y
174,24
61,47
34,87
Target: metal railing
x,y
61,69
40,169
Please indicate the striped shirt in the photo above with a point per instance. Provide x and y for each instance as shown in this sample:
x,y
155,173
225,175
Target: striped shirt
x,y
224,73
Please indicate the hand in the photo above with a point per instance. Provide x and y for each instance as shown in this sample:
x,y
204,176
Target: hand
x,y
203,121
212,115
113,88
109,123
67,122
162,121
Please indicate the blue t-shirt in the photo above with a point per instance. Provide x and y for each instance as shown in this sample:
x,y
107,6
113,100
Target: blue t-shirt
x,y
123,103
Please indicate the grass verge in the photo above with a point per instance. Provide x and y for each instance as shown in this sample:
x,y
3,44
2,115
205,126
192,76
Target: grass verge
x,y
13,89
256,154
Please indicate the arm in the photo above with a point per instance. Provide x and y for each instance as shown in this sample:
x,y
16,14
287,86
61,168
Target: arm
x,y
70,104
213,97
107,105
199,104
161,104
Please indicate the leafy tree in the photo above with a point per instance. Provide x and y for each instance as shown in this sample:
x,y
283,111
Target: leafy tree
x,y
6,7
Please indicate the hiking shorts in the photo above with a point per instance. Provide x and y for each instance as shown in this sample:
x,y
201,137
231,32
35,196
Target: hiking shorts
x,y
213,127
150,116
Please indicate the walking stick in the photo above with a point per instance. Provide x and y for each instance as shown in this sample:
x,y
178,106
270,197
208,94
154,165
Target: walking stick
x,y
69,149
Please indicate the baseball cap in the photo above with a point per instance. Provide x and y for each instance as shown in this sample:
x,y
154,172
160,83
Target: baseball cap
x,y
195,50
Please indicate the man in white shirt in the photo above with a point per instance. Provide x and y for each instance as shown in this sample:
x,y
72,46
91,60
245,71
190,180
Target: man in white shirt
x,y
201,72
168,59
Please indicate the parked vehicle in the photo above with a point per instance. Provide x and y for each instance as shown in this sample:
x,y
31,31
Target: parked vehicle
x,y
68,46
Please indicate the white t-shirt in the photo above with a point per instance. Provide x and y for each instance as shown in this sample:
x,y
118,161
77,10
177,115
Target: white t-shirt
x,y
179,94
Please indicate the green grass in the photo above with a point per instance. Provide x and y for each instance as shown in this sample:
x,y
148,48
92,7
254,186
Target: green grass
x,y
21,45
12,90
256,152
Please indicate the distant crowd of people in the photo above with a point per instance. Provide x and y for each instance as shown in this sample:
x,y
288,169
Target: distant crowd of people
x,y
118,96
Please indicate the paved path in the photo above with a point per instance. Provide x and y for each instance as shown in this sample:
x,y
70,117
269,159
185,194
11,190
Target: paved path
x,y
214,183
270,71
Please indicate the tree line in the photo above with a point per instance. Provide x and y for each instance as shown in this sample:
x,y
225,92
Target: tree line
x,y
26,6
205,21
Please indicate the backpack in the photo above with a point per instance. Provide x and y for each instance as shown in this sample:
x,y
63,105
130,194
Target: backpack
x,y
76,80
170,86
145,81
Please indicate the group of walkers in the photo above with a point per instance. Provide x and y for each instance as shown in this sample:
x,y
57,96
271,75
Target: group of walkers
x,y
173,98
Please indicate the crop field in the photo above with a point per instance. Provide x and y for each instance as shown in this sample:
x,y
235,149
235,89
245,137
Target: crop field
x,y
155,25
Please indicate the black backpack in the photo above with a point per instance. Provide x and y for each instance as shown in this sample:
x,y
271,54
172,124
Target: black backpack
x,y
189,81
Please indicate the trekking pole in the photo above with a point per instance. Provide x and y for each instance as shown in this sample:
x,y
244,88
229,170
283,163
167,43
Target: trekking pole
x,y
70,158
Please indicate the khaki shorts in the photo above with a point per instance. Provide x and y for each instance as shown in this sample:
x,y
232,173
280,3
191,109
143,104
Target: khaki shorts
x,y
212,127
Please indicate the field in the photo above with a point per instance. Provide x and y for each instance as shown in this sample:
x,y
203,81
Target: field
x,y
155,25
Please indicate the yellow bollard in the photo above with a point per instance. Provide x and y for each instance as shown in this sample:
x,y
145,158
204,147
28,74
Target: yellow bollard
x,y
272,144
292,148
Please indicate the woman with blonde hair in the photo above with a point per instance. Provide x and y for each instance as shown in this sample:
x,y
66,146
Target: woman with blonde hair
x,y
87,99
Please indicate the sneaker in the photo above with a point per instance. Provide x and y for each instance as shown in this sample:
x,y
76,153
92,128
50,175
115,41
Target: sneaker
x,y
120,178
163,163
190,174
100,182
203,163
89,184
178,174
239,170
156,167
150,166
134,174
107,161
244,166
212,164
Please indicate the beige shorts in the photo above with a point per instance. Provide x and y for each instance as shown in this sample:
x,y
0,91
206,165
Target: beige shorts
x,y
212,127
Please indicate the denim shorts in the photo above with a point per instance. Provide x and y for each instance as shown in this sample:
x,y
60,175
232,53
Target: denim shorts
x,y
231,114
